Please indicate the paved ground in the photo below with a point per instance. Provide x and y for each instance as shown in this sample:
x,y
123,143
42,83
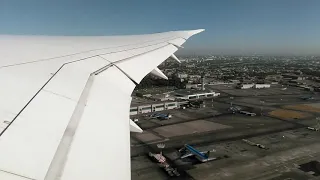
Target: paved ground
x,y
188,128
147,136
290,146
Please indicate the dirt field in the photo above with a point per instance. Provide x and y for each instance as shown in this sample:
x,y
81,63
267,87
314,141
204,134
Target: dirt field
x,y
288,114
189,128
304,107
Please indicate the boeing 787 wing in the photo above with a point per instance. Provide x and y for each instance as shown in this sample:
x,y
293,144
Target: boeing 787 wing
x,y
64,102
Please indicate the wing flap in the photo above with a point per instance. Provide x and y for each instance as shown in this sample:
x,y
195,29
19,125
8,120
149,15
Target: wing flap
x,y
103,136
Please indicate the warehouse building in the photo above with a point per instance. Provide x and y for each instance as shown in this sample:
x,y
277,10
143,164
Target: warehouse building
x,y
259,86
245,86
133,110
194,94
158,107
171,105
147,108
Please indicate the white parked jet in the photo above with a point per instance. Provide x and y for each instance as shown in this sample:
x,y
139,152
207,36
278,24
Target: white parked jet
x,y
64,102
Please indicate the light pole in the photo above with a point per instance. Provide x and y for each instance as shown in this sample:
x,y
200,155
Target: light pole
x,y
318,123
232,109
212,102
231,98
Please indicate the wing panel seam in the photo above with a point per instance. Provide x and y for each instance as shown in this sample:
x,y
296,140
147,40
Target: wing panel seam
x,y
125,59
48,59
60,95
42,88
25,177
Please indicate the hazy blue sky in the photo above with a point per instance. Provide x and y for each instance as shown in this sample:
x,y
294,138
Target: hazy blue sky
x,y
232,26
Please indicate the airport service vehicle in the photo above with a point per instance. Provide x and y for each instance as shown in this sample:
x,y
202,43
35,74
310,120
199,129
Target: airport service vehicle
x,y
196,104
254,144
234,109
67,99
188,151
135,120
313,129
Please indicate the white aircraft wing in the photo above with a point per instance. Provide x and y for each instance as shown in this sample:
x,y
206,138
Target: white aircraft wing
x,y
64,102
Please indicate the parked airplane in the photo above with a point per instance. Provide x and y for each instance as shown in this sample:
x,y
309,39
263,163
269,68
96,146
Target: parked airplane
x,y
234,109
248,113
161,116
188,151
307,98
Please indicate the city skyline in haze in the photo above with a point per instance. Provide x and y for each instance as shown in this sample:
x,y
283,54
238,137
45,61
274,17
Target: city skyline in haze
x,y
274,27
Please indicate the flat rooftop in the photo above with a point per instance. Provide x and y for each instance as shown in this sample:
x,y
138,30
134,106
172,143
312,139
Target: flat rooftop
x,y
137,101
155,90
190,91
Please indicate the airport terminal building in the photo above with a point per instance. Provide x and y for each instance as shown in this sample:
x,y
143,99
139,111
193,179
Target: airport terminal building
x,y
179,97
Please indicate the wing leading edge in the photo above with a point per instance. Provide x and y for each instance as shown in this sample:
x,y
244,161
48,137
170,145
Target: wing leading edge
x,y
65,102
